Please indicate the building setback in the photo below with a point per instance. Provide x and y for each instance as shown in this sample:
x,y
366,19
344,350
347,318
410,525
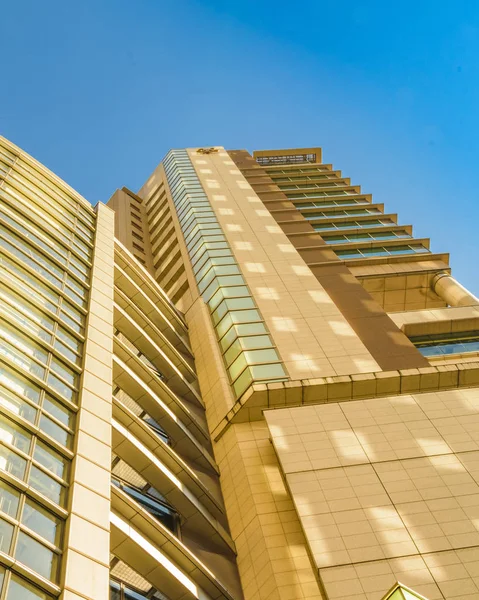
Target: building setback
x,y
245,381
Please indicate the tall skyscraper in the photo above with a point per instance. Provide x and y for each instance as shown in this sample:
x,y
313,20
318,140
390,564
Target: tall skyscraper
x,y
245,381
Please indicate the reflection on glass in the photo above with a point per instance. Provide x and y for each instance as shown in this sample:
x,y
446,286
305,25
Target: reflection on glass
x,y
8,499
54,430
19,589
16,406
40,521
36,556
14,435
12,463
45,484
58,411
49,459
6,532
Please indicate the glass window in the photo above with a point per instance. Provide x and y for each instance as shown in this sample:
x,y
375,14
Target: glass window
x,y
14,435
228,292
36,556
132,595
12,463
251,357
45,484
19,589
50,459
41,522
19,384
9,499
61,387
61,369
240,331
55,431
115,591
246,343
447,344
6,533
17,406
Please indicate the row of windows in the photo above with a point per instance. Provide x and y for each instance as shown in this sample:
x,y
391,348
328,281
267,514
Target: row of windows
x,y
322,194
46,241
31,357
13,587
234,314
331,203
16,308
27,458
29,533
353,224
304,178
27,254
354,212
158,509
14,190
440,345
28,285
300,186
22,398
294,171
365,237
51,192
121,591
381,251
71,249
286,159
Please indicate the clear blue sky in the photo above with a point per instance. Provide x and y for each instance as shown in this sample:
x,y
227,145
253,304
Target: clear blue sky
x,y
99,90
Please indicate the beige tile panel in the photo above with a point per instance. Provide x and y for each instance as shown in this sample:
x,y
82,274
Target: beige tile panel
x,y
371,580
271,549
312,336
442,575
87,541
212,376
397,483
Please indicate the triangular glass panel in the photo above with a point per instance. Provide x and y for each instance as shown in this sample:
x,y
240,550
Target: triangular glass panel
x,y
402,592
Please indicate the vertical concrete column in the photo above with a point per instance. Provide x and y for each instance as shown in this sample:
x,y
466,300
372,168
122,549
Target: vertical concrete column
x,y
87,543
452,292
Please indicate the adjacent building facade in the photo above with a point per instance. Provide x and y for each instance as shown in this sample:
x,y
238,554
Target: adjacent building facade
x,y
246,380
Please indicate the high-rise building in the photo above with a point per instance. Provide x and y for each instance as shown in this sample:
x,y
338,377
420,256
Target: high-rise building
x,y
245,381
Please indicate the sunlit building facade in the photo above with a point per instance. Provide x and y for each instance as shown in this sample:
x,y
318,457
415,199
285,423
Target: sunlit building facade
x,y
244,381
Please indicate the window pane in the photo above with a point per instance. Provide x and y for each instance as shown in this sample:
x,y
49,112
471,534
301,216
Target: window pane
x,y
9,499
115,592
36,556
6,532
131,595
14,435
41,521
12,463
62,370
18,384
61,387
45,484
17,406
57,410
54,430
50,459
